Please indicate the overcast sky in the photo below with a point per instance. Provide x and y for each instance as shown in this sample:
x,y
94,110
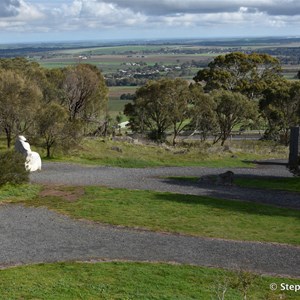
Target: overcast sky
x,y
59,20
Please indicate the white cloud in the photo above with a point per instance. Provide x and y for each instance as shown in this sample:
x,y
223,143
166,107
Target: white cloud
x,y
148,15
167,7
24,14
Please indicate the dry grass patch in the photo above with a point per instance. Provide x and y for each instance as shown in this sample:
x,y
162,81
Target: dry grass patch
x,y
70,194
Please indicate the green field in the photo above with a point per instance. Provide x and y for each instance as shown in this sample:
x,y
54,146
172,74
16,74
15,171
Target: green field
x,y
115,105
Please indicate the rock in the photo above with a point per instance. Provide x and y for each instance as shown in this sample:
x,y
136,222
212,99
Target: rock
x,y
184,151
225,178
126,139
116,148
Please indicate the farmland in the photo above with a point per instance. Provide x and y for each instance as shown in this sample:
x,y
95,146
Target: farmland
x,y
127,65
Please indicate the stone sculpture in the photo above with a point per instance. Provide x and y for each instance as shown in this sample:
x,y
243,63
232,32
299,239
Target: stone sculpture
x,y
33,160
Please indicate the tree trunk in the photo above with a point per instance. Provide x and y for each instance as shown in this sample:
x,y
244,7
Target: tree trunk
x,y
48,151
8,137
174,142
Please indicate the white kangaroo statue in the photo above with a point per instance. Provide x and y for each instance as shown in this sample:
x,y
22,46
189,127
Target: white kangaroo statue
x,y
33,160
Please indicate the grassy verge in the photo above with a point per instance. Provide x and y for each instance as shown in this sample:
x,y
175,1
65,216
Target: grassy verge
x,y
186,214
134,281
100,152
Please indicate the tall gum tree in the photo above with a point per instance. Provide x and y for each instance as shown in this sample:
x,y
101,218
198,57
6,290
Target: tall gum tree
x,y
86,94
249,74
19,101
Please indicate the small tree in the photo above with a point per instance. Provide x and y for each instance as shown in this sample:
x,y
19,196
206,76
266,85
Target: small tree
x,y
158,106
180,98
279,106
203,115
54,127
232,109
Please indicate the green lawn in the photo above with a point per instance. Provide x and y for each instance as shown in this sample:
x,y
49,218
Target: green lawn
x,y
186,214
138,281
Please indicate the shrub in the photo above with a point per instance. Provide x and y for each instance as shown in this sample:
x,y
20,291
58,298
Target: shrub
x,y
12,168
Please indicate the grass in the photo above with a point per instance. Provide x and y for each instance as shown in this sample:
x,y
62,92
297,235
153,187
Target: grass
x,y
138,281
285,184
99,152
22,192
185,214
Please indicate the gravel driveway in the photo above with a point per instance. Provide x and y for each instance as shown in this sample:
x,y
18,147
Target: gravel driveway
x,y
153,179
32,235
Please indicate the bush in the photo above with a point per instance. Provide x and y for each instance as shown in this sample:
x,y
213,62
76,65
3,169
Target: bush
x,y
12,168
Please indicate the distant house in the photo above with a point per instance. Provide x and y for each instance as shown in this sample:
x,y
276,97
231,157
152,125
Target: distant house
x,y
123,124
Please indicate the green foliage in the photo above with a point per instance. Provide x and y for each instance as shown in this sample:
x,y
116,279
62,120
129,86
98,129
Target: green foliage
x,y
203,115
19,101
281,106
12,168
86,94
232,109
249,74
158,106
54,127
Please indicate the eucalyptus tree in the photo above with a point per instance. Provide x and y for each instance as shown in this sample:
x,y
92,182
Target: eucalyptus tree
x,y
281,106
86,94
232,109
158,106
20,99
249,74
203,118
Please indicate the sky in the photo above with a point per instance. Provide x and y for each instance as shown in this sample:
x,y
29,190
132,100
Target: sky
x,y
24,21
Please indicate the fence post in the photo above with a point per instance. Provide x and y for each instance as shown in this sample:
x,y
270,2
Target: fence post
x,y
294,147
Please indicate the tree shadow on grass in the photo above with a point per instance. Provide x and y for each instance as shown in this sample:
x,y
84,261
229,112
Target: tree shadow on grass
x,y
245,200
270,162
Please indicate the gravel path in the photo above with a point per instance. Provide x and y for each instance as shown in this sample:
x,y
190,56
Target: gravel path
x,y
152,179
32,235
